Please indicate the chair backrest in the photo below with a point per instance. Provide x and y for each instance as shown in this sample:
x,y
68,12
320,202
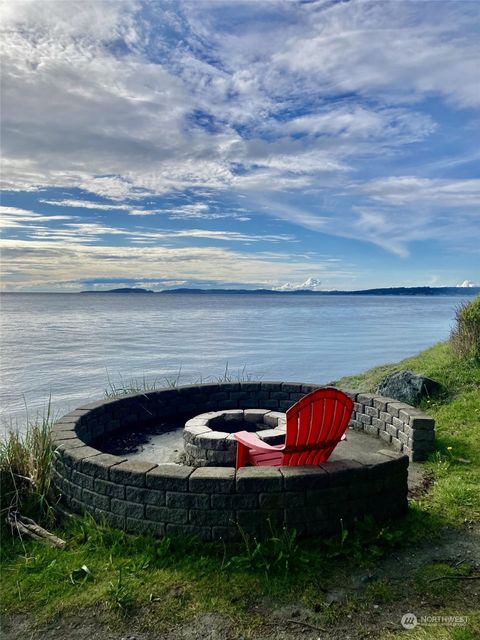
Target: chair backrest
x,y
315,425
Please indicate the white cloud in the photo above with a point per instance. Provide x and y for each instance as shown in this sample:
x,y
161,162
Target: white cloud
x,y
78,113
87,204
401,190
13,217
361,48
47,264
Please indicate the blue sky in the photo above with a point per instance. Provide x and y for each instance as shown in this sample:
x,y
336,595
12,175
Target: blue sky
x,y
257,144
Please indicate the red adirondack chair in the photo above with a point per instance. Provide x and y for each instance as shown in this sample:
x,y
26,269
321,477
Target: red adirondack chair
x,y
315,425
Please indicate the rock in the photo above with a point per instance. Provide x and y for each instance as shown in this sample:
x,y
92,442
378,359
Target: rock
x,y
408,387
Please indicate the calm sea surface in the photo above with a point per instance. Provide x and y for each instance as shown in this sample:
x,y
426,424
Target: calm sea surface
x,y
67,346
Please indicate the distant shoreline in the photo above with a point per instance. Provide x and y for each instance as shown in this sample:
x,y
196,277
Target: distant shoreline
x,y
386,291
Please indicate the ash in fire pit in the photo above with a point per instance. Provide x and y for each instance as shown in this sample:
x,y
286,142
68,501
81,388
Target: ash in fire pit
x,y
209,440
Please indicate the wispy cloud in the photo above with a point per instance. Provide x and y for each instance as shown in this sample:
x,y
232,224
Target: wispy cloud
x,y
353,122
50,264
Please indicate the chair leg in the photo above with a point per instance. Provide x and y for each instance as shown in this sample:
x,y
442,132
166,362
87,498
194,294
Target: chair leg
x,y
242,456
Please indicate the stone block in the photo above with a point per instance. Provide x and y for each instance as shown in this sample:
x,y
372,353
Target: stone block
x,y
295,396
272,418
212,480
165,514
190,433
258,479
343,471
99,466
305,477
92,499
169,477
180,500
421,445
145,496
70,489
364,419
398,423
84,481
127,508
380,402
250,386
386,417
372,412
60,436
421,423
234,501
384,435
271,386
279,395
395,407
131,472
212,440
365,399
380,424
372,430
392,430
272,436
107,488
254,415
77,454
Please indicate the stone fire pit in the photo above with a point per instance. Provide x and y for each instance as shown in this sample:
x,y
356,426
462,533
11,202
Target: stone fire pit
x,y
366,475
209,437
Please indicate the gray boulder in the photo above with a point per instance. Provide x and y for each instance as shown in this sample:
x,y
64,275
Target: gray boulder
x,y
408,387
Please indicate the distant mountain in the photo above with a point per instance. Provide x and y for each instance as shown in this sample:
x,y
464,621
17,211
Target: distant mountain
x,y
122,290
388,291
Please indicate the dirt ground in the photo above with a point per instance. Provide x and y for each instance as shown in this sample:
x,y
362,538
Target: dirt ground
x,y
370,620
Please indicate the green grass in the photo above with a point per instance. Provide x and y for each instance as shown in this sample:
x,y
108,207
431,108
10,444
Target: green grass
x,y
157,583
26,470
456,463
122,386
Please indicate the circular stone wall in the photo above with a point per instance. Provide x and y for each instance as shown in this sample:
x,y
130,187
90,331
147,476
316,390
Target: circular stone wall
x,y
212,502
209,438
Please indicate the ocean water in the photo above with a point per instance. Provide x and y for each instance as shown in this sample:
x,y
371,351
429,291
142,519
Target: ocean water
x,y
67,347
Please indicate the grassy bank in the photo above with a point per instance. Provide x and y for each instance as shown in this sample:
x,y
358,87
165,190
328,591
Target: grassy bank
x,y
357,585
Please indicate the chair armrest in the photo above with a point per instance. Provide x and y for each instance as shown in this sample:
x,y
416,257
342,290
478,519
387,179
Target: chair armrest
x,y
252,441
